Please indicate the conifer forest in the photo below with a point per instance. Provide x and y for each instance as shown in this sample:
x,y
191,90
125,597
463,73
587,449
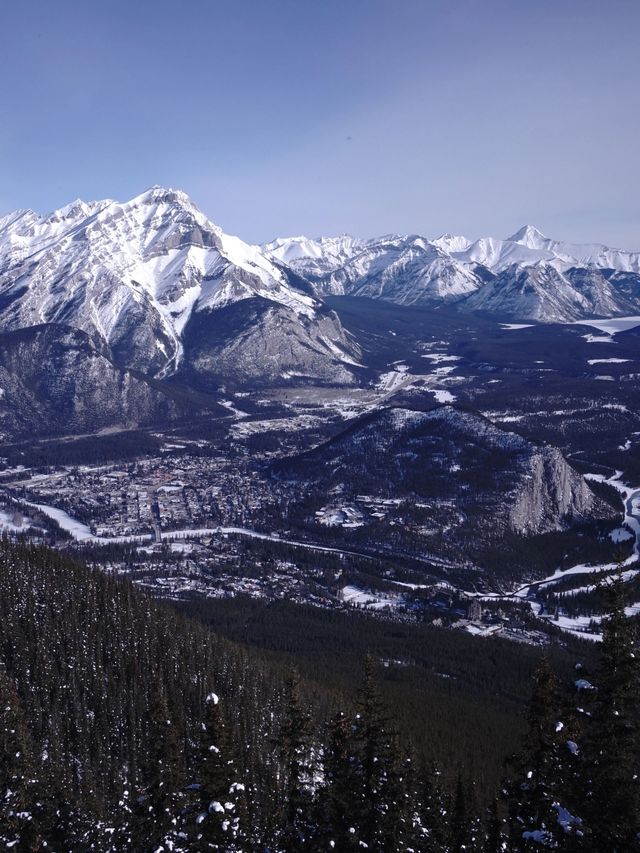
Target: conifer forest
x,y
127,725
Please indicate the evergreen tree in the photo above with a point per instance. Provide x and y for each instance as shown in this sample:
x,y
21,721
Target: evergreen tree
x,y
159,806
613,747
296,753
337,806
220,812
460,821
434,812
409,834
19,824
495,841
540,787
380,783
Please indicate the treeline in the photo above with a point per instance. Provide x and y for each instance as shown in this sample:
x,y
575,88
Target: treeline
x,y
125,726
125,446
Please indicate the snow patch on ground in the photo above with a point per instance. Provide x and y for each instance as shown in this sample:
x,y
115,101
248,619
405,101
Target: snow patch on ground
x,y
8,522
439,357
372,601
611,326
620,534
515,326
598,339
441,395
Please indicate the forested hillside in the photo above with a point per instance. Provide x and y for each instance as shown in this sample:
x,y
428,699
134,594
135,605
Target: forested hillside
x,y
127,727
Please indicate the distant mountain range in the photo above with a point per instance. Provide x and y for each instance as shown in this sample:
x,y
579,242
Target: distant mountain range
x,y
525,277
158,288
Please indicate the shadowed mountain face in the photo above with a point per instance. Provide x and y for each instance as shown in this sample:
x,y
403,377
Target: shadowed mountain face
x,y
54,381
258,342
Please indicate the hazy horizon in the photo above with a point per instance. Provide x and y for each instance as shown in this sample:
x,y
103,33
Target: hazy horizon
x,y
366,118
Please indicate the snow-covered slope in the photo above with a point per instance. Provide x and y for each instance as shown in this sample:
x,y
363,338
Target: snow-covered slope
x,y
314,258
408,270
133,274
526,276
529,246
136,276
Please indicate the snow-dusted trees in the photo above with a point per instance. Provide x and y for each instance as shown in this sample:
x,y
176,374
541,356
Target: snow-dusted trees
x,y
218,820
159,805
364,801
336,811
577,784
296,749
108,741
19,825
612,797
542,793
379,786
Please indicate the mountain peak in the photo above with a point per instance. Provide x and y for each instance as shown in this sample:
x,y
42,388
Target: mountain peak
x,y
529,236
158,194
452,242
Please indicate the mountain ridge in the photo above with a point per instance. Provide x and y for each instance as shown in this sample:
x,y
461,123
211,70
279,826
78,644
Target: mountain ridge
x,y
132,275
141,277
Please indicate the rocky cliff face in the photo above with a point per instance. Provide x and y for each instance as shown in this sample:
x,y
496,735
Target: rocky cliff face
x,y
54,381
259,342
552,495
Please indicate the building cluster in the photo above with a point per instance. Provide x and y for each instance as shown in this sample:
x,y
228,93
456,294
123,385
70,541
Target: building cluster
x,y
154,494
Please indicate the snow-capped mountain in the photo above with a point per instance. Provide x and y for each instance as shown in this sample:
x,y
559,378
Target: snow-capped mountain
x,y
526,276
314,258
133,276
529,246
408,270
160,288
541,292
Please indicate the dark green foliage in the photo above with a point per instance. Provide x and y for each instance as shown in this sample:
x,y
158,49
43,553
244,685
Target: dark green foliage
x,y
613,740
19,807
294,744
460,825
159,803
495,837
539,778
459,701
113,739
378,806
434,812
110,688
337,798
220,807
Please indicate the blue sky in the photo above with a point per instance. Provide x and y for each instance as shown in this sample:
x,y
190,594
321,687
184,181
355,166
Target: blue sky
x,y
360,116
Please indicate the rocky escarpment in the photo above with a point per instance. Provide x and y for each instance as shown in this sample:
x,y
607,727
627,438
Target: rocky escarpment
x,y
259,342
453,470
54,381
552,495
